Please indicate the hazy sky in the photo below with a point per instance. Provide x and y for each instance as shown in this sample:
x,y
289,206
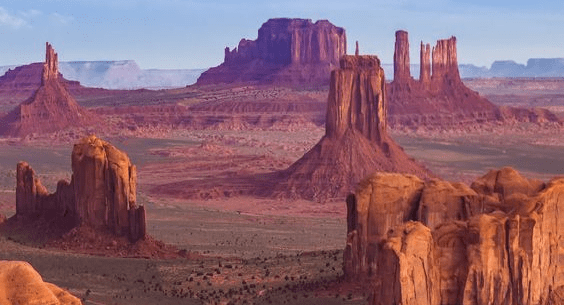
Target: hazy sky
x,y
193,34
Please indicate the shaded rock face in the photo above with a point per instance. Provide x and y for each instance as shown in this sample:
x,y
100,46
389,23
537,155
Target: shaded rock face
x,y
101,194
356,142
286,51
21,284
497,242
51,107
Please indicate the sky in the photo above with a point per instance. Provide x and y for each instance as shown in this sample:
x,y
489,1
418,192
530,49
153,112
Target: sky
x,y
187,34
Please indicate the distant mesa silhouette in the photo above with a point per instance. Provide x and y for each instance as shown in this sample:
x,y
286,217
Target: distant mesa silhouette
x,y
286,51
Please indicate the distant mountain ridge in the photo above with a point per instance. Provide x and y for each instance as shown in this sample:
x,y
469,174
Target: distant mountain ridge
x,y
535,67
123,74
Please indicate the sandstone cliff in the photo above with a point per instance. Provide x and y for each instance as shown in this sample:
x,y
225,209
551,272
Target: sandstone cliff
x,y
51,107
101,193
286,51
21,284
435,242
356,142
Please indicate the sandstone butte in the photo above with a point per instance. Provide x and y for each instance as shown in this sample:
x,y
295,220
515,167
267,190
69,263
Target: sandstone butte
x,y
286,51
356,142
439,98
100,195
21,284
51,108
434,242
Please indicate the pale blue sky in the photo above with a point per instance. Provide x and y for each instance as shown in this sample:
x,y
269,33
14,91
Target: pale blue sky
x,y
193,34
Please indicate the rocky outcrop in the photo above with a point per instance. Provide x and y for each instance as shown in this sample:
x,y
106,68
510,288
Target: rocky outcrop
x,y
356,142
440,99
435,242
101,193
51,108
286,51
21,284
437,99
408,250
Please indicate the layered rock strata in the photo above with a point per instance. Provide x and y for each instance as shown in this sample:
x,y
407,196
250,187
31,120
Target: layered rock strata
x,y
51,107
495,242
356,133
286,51
21,284
101,193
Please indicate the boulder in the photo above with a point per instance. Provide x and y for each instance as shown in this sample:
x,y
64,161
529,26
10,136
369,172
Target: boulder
x,y
21,284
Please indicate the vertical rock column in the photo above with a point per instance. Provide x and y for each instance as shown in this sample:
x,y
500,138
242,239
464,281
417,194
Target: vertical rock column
x,y
104,183
401,57
445,63
51,65
357,98
425,65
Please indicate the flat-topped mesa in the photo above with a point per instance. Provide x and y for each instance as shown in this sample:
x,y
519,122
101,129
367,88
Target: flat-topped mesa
x,y
401,57
101,194
425,64
445,63
286,51
51,65
357,98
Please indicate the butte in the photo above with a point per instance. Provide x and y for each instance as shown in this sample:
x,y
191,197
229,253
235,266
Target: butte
x,y
356,142
50,109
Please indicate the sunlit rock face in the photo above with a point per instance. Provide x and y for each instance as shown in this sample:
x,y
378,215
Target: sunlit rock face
x,y
436,242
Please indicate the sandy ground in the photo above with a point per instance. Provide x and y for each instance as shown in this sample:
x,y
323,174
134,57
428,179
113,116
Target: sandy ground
x,y
255,250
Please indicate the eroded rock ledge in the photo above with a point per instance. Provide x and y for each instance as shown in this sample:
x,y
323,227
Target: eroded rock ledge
x,y
495,242
101,193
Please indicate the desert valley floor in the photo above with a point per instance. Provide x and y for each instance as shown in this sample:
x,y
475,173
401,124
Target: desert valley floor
x,y
245,248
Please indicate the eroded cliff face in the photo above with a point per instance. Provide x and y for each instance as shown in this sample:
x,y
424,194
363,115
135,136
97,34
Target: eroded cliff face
x,y
101,193
286,51
435,242
50,109
356,142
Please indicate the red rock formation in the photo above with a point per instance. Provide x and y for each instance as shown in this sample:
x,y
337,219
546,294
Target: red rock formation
x,y
401,57
425,65
21,284
441,100
460,246
101,194
356,142
287,51
51,108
